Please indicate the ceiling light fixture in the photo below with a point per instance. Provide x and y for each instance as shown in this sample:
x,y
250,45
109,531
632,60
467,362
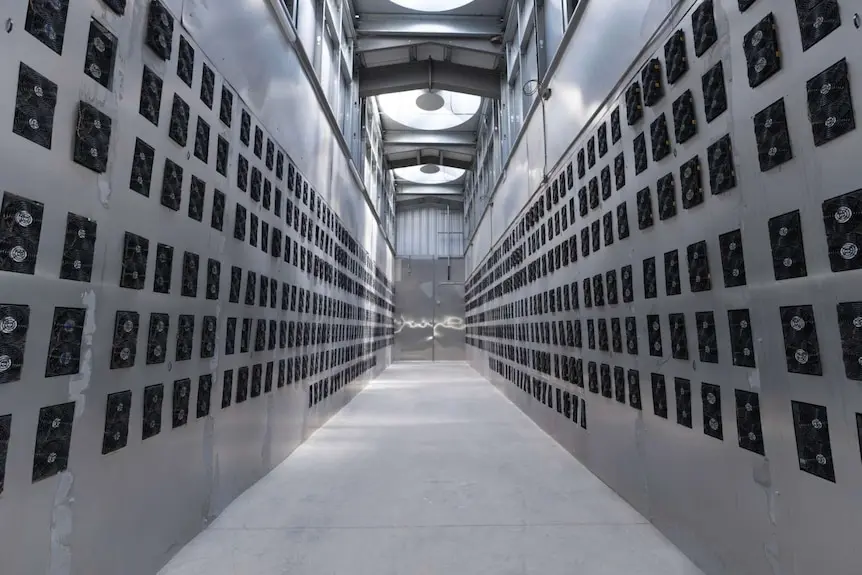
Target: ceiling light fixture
x,y
430,101
402,107
418,175
432,5
430,169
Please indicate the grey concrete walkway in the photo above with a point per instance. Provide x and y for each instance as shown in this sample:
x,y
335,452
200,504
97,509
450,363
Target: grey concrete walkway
x,y
430,471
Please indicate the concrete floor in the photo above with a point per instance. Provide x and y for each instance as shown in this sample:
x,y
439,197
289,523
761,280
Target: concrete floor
x,y
430,471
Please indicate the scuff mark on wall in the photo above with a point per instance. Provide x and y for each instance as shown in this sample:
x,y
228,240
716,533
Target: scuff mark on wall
x,y
79,382
215,508
208,455
770,549
762,474
209,463
60,560
266,449
104,191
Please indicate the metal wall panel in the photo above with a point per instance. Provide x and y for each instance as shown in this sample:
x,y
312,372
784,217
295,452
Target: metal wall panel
x,y
116,502
267,85
519,176
745,423
414,310
588,71
429,309
481,243
449,342
585,73
429,231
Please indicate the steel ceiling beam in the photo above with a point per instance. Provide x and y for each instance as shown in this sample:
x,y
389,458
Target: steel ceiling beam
x,y
428,199
375,43
379,80
454,205
465,150
421,160
428,25
429,139
421,201
424,190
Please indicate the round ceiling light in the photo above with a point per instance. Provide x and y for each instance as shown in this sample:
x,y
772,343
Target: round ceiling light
x,y
430,101
432,5
419,175
430,169
405,108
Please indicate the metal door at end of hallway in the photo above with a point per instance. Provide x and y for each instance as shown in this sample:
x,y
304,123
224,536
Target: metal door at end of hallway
x,y
429,310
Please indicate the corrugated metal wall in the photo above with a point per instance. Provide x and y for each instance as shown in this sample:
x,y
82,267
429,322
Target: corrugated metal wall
x,y
429,232
717,279
130,414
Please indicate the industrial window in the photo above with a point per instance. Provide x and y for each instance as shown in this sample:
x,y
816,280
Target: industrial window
x,y
570,9
328,72
529,72
346,106
515,106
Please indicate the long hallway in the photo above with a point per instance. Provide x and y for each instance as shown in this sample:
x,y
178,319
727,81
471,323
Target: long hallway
x,y
430,471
